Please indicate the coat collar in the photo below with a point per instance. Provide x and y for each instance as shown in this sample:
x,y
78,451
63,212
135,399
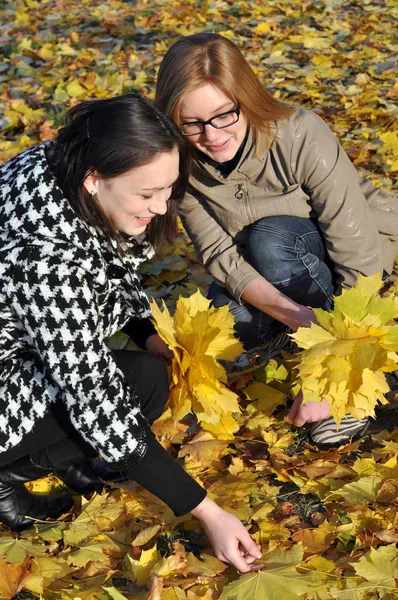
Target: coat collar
x,y
247,167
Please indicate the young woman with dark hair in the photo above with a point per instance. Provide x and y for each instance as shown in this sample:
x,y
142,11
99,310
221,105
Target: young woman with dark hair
x,y
78,217
275,209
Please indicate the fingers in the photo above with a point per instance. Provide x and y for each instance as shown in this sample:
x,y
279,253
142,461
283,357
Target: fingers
x,y
295,407
305,415
292,414
231,541
300,420
252,554
239,562
243,563
168,356
312,412
245,553
248,546
257,567
248,558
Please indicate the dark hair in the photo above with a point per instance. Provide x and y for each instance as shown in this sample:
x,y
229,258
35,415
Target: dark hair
x,y
110,137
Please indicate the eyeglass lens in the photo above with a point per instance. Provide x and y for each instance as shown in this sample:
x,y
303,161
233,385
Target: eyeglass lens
x,y
219,122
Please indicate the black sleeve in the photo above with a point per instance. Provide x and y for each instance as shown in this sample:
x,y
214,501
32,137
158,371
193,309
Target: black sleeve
x,y
139,330
164,477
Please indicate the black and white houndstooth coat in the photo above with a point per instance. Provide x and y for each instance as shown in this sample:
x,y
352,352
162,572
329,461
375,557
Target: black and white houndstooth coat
x,y
61,296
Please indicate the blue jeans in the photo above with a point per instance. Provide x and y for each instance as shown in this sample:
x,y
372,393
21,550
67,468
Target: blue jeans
x,y
290,253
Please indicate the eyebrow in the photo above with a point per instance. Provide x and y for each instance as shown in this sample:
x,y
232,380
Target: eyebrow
x,y
157,189
214,112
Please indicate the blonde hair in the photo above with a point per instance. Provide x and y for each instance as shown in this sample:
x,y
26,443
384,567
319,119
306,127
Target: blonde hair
x,y
203,58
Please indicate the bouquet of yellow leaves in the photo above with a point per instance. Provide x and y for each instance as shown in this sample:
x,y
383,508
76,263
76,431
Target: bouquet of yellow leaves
x,y
346,355
199,335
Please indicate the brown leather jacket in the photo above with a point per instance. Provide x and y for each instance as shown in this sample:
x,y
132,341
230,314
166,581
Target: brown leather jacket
x,y
305,173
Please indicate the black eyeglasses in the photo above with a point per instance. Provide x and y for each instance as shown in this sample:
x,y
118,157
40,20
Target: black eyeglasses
x,y
219,122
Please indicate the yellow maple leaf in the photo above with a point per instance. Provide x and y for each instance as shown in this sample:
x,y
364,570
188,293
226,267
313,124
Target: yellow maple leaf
x,y
344,358
169,566
380,568
363,491
12,579
263,27
203,448
278,579
139,570
75,90
267,397
44,571
390,142
198,335
310,41
224,429
145,535
316,541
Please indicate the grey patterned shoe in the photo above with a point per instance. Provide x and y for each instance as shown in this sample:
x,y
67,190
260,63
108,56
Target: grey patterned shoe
x,y
324,434
280,341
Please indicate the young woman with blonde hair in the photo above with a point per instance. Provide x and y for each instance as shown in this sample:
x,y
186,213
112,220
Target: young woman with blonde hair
x,y
275,209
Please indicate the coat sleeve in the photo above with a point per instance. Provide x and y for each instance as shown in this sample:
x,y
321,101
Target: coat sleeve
x,y
139,330
215,247
323,169
58,308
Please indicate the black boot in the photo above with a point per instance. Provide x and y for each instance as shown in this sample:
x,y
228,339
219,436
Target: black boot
x,y
83,478
17,504
22,471
89,476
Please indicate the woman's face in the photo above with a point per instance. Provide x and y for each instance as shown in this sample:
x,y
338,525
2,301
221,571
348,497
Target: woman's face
x,y
131,200
204,103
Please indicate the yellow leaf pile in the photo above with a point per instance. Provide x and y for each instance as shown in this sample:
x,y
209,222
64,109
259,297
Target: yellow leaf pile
x,y
327,522
198,335
346,355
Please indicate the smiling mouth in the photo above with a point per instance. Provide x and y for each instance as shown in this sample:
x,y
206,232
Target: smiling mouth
x,y
217,146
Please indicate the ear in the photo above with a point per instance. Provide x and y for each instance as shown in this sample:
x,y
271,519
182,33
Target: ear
x,y
91,183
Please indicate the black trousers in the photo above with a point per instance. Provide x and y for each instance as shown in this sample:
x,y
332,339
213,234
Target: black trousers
x,y
54,441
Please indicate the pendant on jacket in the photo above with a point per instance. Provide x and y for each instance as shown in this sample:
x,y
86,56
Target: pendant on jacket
x,y
240,193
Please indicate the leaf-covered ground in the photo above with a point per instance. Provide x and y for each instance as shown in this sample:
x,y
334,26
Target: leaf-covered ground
x,y
327,521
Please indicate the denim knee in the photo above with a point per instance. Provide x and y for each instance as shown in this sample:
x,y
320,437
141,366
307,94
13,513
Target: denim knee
x,y
290,253
277,245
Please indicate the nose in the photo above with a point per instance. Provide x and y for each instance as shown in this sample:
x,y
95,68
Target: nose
x,y
158,205
210,132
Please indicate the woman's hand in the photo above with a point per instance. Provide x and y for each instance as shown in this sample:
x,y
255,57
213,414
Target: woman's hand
x,y
306,317
230,540
156,345
267,298
310,412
